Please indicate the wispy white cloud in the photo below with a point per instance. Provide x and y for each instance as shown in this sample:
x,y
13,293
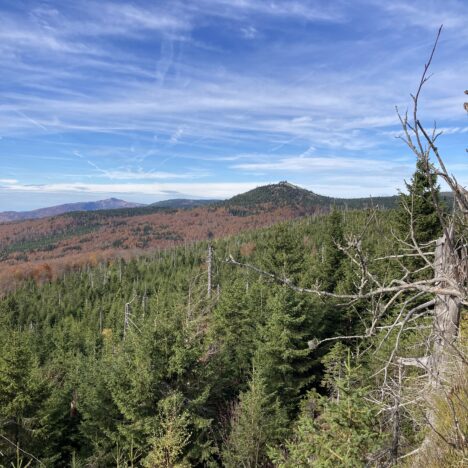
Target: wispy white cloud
x,y
119,18
199,190
128,173
149,175
176,135
453,130
326,107
442,130
249,32
302,163
428,14
306,9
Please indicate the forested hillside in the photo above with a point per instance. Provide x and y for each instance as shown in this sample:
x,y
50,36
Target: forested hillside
x,y
139,363
134,362
45,248
287,194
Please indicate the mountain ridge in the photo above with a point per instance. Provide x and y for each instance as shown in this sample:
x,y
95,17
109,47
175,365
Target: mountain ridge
x,y
184,202
106,204
284,193
73,239
279,194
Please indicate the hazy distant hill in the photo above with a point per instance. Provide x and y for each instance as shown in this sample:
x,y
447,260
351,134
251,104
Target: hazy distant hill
x,y
183,203
108,204
283,194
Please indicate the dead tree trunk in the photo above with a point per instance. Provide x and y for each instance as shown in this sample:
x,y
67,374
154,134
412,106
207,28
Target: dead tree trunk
x,y
396,423
126,319
446,312
209,262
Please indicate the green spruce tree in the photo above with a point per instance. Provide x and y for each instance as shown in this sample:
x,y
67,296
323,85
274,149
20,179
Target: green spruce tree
x,y
22,390
282,357
422,190
172,435
338,432
284,256
330,270
257,421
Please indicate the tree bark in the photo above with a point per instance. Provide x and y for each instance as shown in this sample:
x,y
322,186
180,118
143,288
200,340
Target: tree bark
x,y
444,358
209,271
447,313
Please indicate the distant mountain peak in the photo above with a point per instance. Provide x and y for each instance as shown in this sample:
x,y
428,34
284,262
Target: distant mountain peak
x,y
280,194
286,194
107,204
285,183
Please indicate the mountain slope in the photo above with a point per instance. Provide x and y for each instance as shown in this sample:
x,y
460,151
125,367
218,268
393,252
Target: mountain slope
x,y
183,203
108,204
287,194
266,197
280,194
77,238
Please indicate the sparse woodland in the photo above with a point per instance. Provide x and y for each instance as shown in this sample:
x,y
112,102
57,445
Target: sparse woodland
x,y
334,340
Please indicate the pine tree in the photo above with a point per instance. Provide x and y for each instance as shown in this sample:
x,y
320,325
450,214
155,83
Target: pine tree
x,y
257,421
22,389
334,362
172,435
338,432
330,270
281,357
284,256
231,337
420,200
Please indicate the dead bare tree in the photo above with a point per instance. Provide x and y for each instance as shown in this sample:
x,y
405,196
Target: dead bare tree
x,y
450,267
128,320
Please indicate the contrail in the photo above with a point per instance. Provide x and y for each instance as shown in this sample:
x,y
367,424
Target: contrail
x,y
35,122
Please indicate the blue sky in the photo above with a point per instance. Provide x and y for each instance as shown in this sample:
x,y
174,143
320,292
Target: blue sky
x,y
208,98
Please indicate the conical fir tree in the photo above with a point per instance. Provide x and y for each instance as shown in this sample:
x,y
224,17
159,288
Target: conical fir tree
x,y
281,357
257,421
285,254
331,271
338,432
419,200
22,390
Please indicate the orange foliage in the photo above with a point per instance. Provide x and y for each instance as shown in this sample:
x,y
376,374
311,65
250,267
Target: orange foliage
x,y
247,249
120,237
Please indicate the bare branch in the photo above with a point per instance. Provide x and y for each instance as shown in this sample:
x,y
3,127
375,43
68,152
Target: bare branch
x,y
429,286
30,455
422,362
